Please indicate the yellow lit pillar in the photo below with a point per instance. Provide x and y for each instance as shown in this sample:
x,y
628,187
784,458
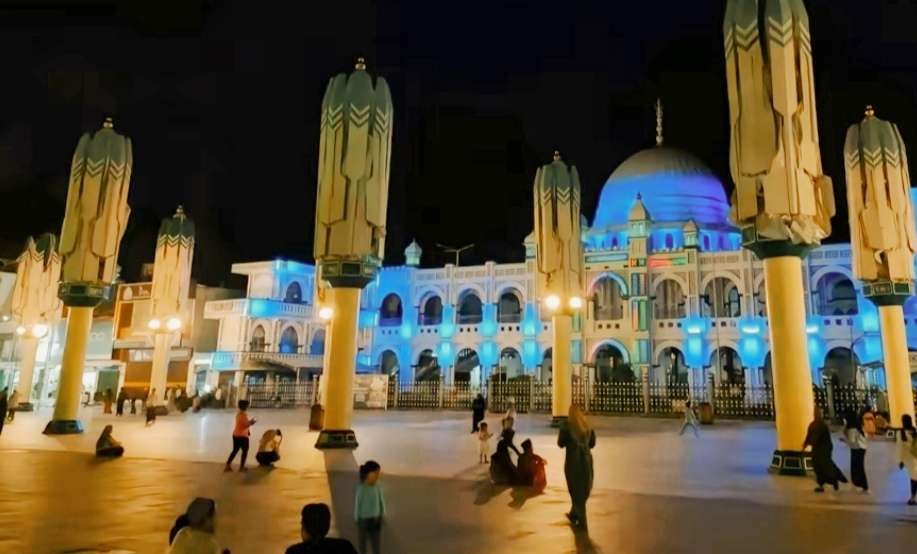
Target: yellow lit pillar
x,y
94,222
882,240
560,367
897,366
782,201
559,264
159,373
340,370
350,213
79,324
28,350
793,400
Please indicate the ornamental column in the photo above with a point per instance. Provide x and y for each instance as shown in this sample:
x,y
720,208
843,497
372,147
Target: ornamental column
x,y
883,241
782,201
169,295
35,306
94,223
559,264
353,160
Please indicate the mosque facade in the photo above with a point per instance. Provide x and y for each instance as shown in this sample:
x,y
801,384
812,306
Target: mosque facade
x,y
669,291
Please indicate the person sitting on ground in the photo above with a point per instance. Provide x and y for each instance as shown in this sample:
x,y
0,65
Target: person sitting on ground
x,y
197,537
531,468
316,521
269,447
502,469
107,446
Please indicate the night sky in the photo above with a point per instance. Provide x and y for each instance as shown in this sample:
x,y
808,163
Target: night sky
x,y
222,103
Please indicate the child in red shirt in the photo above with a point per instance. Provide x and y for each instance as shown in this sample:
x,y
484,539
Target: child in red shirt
x,y
240,434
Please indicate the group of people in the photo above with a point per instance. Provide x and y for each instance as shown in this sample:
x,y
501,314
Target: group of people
x,y
268,447
856,435
194,531
577,439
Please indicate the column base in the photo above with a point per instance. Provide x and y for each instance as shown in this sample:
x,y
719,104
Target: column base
x,y
334,438
63,427
791,462
25,407
558,421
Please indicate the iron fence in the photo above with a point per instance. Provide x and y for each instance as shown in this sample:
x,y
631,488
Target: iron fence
x,y
605,397
279,395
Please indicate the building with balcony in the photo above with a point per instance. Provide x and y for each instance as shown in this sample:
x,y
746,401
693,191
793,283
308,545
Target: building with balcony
x,y
669,293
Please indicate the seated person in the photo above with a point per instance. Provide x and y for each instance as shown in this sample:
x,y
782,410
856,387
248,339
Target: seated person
x,y
316,521
269,447
502,469
107,446
531,467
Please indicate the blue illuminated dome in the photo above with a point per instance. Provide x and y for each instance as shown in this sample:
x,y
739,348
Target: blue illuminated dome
x,y
674,185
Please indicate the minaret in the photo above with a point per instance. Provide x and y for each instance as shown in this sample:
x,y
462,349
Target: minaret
x,y
412,254
658,122
354,154
782,202
35,305
94,223
169,294
883,241
559,262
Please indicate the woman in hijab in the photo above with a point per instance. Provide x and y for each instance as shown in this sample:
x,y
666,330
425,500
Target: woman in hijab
x,y
478,405
578,439
502,469
107,446
197,537
819,438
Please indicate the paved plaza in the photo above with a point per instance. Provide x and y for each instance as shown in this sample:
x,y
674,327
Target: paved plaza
x,y
654,491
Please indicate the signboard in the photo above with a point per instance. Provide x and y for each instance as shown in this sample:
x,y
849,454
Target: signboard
x,y
136,291
370,391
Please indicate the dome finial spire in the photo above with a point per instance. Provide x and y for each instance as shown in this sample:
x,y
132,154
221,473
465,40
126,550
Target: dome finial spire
x,y
658,122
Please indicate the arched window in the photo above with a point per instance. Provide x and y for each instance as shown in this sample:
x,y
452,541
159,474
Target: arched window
x,y
726,361
317,346
294,293
614,241
669,241
289,341
706,242
672,367
836,295
509,309
388,363
431,311
610,366
722,298
257,342
762,300
510,364
608,299
547,364
390,312
470,309
467,366
427,367
841,366
670,300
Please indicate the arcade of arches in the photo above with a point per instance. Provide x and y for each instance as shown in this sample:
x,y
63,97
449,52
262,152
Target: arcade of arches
x,y
721,298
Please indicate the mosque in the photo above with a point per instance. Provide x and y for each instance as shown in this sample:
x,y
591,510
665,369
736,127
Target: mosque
x,y
670,294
